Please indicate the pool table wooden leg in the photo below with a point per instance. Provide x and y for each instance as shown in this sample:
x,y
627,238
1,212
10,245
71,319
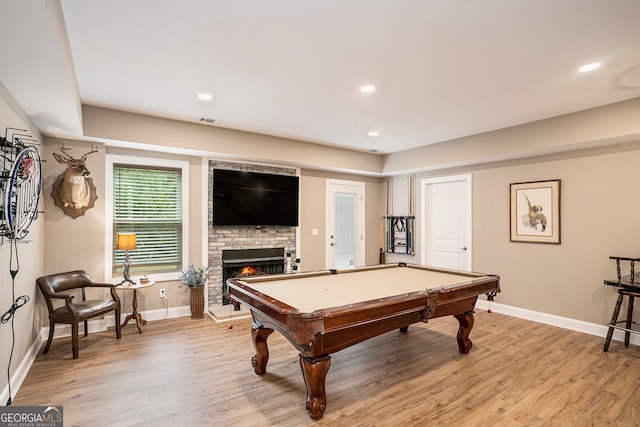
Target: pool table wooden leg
x,y
466,323
314,372
259,335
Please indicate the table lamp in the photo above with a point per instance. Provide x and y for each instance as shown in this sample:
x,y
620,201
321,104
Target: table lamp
x,y
126,242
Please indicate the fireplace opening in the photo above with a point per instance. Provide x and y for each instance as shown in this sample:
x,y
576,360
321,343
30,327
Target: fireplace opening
x,y
249,262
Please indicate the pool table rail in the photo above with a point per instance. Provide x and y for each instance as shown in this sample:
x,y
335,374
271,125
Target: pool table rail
x,y
332,329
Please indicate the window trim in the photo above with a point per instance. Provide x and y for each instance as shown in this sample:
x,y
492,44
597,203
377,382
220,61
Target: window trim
x,y
111,160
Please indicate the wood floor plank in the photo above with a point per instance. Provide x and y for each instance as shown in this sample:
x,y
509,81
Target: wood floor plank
x,y
184,372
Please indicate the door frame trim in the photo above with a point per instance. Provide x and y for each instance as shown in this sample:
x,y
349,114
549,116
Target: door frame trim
x,y
467,178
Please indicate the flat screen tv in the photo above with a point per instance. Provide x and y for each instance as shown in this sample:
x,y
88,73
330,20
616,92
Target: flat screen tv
x,y
254,199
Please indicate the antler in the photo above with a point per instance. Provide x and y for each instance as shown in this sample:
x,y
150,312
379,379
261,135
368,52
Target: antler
x,y
94,149
64,151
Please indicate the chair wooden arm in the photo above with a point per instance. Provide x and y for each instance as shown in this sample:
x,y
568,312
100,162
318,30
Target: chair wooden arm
x,y
111,286
61,296
101,285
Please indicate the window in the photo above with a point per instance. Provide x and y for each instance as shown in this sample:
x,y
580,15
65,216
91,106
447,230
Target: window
x,y
147,197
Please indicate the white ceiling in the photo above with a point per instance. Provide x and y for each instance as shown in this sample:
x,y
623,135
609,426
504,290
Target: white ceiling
x,y
443,68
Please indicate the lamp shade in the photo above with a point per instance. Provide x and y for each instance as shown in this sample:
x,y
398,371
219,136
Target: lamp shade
x,y
126,241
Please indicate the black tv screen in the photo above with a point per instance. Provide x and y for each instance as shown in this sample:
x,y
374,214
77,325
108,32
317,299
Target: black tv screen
x,y
254,199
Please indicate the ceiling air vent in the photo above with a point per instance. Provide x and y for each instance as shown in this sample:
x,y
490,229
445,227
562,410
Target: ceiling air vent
x,y
206,120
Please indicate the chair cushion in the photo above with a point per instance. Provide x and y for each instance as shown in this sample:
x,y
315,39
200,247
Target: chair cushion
x,y
86,310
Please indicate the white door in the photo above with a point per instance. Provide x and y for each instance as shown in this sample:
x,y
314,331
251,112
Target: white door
x,y
345,224
446,222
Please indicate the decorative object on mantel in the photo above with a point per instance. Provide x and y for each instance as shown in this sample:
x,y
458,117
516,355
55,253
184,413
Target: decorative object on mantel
x,y
195,279
73,190
288,263
126,242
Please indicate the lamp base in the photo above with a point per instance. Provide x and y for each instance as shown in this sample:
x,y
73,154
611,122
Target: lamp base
x,y
127,281
126,270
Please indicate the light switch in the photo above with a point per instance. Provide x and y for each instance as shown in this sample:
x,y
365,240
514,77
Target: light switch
x,y
314,231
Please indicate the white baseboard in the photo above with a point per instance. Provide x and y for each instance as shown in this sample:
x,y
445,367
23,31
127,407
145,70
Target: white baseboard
x,y
152,315
559,321
101,325
21,372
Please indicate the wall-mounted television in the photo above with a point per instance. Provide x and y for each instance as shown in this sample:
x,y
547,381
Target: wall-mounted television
x,y
254,199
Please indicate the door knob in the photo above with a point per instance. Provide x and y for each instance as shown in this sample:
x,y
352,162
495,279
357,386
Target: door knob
x,y
464,248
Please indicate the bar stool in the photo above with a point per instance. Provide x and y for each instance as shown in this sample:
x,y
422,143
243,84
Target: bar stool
x,y
629,286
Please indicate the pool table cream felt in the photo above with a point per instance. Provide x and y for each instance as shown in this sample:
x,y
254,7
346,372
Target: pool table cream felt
x,y
309,294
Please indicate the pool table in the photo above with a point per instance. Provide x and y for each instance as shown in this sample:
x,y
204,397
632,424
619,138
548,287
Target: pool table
x,y
324,312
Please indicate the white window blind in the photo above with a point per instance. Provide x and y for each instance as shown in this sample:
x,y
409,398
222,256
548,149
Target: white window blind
x,y
148,201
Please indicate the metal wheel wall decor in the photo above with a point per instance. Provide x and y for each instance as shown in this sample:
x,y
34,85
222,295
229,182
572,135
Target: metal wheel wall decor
x,y
20,185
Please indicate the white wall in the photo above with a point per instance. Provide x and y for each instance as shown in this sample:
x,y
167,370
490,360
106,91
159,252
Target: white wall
x,y
598,218
599,211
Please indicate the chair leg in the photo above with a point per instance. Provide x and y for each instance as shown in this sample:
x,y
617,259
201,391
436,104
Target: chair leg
x,y
52,327
74,339
86,328
614,320
629,321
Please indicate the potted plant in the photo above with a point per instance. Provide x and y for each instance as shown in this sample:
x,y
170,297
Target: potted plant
x,y
194,279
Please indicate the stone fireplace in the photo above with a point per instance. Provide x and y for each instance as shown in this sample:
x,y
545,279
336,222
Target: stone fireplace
x,y
229,238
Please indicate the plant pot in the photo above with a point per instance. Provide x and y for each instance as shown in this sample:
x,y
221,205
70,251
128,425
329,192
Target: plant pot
x,y
197,302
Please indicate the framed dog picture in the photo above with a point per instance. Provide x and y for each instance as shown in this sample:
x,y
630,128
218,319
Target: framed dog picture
x,y
535,212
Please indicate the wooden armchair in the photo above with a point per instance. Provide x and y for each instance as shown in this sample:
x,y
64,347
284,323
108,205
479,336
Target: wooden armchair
x,y
74,312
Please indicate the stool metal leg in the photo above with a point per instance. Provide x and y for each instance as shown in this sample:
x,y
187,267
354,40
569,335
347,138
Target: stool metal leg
x,y
614,320
629,319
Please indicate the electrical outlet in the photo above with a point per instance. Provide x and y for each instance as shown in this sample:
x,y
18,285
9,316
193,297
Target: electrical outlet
x,y
163,293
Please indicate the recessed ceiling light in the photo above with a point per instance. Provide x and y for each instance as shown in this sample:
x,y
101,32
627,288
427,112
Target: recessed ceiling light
x,y
205,96
367,88
589,67
374,133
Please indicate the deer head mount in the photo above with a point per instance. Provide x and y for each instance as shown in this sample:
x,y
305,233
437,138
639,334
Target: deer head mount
x,y
73,190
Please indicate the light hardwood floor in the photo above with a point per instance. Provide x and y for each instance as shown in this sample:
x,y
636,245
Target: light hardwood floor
x,y
183,372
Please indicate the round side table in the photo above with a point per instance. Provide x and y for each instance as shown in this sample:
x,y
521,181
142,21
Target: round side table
x,y
134,314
